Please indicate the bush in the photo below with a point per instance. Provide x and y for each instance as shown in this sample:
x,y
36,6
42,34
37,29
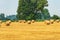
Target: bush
x,y
55,17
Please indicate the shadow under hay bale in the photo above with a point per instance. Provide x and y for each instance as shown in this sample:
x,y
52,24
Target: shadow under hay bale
x,y
7,24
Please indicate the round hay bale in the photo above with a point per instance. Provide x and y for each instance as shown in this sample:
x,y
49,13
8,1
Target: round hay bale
x,y
47,22
29,22
57,21
0,21
33,21
24,21
7,24
20,21
51,21
9,21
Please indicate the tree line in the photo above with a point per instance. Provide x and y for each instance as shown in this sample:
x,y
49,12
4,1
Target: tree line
x,y
14,18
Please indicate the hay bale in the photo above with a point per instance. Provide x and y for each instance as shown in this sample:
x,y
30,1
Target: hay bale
x,y
47,22
24,21
33,21
8,23
57,21
51,21
0,21
29,22
20,21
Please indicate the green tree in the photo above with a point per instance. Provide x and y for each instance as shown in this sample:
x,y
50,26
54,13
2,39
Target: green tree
x,y
27,9
24,9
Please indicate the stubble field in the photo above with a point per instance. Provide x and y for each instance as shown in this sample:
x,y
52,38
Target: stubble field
x,y
34,31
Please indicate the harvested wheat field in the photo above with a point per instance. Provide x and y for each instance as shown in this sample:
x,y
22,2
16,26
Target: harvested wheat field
x,y
33,31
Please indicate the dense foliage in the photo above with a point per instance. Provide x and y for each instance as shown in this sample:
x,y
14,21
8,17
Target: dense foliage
x,y
31,9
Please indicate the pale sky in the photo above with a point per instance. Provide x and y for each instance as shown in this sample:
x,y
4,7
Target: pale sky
x,y
54,7
9,7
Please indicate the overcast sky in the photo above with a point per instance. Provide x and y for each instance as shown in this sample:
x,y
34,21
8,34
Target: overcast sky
x,y
9,7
